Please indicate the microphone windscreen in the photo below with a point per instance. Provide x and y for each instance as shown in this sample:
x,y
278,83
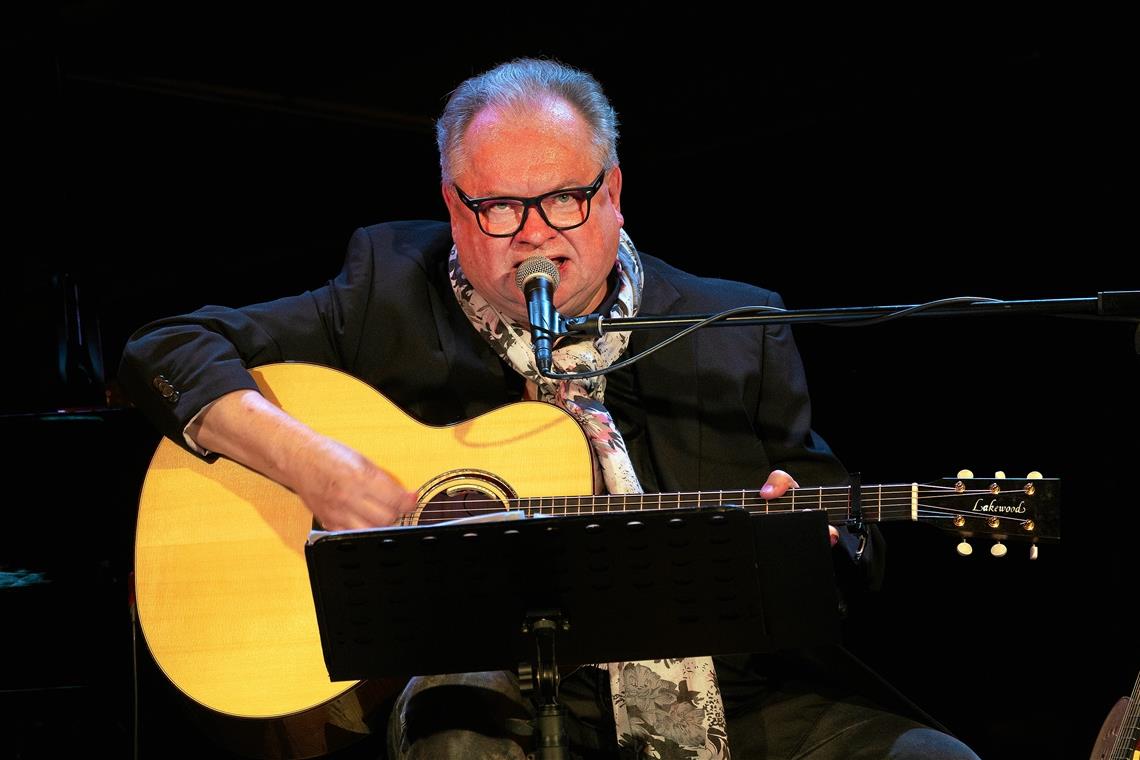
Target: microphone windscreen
x,y
536,265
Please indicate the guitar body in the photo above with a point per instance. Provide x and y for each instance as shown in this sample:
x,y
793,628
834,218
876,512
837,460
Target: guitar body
x,y
222,589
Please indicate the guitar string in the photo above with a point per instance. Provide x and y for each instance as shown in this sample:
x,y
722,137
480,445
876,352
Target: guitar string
x,y
753,505
929,513
891,507
589,504
1127,736
840,495
902,495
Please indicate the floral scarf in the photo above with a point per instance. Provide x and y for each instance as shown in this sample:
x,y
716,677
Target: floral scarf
x,y
662,708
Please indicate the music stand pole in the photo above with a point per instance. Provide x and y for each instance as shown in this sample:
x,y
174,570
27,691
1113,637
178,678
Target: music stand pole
x,y
549,724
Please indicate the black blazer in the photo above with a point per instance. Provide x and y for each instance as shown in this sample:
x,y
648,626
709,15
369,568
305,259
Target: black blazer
x,y
719,409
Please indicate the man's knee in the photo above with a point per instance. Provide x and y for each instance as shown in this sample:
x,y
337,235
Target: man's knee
x,y
928,744
459,716
458,744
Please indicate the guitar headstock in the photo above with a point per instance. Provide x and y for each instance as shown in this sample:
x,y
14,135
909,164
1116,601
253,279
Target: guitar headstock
x,y
1005,509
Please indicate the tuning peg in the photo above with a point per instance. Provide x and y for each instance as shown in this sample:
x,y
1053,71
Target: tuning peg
x,y
1033,551
999,549
1035,475
965,473
964,548
1000,475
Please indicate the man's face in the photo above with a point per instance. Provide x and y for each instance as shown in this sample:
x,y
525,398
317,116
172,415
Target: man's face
x,y
524,155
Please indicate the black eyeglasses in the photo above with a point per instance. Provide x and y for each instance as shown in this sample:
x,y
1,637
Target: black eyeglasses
x,y
504,216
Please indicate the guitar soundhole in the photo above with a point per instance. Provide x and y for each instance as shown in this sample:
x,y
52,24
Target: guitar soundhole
x,y
456,495
463,502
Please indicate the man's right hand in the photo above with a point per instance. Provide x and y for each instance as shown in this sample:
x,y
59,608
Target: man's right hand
x,y
344,489
340,486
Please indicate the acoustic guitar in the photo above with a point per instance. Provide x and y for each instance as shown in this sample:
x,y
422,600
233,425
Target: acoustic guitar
x,y
1119,737
223,594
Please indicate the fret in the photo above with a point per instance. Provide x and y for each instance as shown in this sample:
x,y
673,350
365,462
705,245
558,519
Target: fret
x,y
879,506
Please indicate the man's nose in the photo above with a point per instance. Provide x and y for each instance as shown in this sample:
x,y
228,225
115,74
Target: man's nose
x,y
535,230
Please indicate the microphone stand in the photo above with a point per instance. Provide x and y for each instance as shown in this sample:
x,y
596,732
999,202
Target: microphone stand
x,y
1118,304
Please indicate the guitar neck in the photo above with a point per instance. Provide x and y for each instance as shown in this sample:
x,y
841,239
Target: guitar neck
x,y
1000,507
878,503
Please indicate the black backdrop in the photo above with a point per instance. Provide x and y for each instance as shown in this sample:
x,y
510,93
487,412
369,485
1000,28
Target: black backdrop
x,y
163,160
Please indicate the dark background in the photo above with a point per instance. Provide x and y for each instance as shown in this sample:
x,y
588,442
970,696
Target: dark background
x,y
159,160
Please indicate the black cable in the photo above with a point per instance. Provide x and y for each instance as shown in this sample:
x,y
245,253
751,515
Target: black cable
x,y
720,316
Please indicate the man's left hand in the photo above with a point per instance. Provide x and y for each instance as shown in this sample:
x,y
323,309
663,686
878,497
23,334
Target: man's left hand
x,y
777,485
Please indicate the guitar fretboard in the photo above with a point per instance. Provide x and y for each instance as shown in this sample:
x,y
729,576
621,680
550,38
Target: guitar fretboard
x,y
878,502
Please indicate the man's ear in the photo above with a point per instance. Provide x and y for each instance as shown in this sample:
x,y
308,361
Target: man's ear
x,y
455,208
447,193
613,187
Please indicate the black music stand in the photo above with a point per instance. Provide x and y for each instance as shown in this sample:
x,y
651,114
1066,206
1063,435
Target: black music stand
x,y
460,598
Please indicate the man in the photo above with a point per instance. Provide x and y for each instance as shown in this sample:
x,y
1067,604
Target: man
x,y
432,317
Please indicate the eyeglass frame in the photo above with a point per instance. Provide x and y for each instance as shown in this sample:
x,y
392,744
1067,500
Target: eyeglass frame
x,y
534,202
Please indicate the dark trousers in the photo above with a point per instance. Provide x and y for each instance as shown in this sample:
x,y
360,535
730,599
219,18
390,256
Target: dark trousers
x,y
777,708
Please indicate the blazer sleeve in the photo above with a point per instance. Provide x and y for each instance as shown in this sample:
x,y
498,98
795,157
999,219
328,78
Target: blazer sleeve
x,y
783,421
783,417
173,367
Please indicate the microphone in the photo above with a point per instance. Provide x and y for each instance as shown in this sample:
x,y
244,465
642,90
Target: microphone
x,y
537,277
